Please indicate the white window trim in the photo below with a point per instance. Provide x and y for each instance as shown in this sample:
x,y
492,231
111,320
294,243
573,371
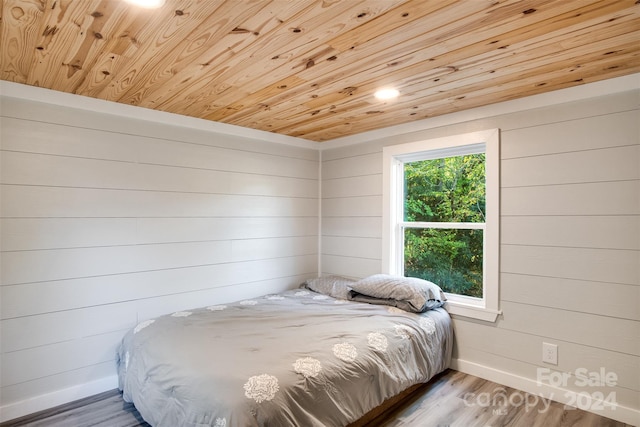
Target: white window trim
x,y
394,156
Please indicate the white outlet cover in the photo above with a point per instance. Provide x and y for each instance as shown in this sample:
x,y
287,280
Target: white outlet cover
x,y
549,353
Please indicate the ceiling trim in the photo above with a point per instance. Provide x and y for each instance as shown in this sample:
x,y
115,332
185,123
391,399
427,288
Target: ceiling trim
x,y
576,93
63,99
561,96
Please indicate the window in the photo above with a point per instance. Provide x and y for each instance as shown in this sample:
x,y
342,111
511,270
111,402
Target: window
x,y
441,217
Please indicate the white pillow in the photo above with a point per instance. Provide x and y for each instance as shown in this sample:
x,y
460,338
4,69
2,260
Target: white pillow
x,y
408,293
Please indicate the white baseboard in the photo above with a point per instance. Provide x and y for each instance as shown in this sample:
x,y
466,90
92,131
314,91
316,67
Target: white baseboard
x,y
59,397
616,412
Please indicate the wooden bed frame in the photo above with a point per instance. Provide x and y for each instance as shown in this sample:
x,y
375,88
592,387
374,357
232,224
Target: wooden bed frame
x,y
392,404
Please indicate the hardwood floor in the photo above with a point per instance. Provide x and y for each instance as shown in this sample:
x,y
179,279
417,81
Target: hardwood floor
x,y
450,399
102,410
457,399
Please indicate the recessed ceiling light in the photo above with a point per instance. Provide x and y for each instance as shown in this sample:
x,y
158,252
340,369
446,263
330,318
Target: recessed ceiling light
x,y
147,4
386,93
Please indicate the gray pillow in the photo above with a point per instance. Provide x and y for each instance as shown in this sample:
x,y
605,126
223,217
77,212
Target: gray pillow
x,y
407,293
334,286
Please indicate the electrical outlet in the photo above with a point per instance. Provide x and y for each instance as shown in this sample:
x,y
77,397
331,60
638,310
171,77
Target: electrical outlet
x,y
549,353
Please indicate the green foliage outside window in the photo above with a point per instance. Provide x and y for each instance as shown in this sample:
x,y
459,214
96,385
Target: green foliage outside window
x,y
446,190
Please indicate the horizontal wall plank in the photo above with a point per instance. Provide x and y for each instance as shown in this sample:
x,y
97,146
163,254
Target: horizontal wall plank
x,y
34,202
26,299
350,150
588,133
350,266
51,233
602,265
150,308
53,383
604,232
26,365
603,198
19,301
368,185
352,227
528,348
159,230
63,326
38,169
57,264
295,266
45,138
568,112
162,152
48,138
603,332
352,246
59,233
367,164
607,299
273,186
611,164
77,118
370,206
256,249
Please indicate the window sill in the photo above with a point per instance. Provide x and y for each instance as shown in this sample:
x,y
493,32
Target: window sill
x,y
472,311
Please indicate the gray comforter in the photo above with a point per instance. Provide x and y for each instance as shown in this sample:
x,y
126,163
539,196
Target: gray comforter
x,y
298,358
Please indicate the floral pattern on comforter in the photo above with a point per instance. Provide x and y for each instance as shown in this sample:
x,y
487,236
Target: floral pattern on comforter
x,y
297,358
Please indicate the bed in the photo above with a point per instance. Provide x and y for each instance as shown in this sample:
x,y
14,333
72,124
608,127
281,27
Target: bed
x,y
315,356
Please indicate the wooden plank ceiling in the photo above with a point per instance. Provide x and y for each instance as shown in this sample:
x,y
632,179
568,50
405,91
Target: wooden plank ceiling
x,y
308,68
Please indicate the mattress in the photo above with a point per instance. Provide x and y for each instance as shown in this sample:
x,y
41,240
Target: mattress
x,y
297,358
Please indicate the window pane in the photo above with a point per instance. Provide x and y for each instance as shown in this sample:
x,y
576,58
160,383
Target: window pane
x,y
450,189
451,258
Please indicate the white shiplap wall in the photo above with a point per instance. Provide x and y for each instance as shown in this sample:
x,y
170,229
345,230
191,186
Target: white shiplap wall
x,y
570,241
109,220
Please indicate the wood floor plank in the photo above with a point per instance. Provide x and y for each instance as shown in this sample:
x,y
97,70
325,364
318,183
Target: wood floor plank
x,y
103,410
450,399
